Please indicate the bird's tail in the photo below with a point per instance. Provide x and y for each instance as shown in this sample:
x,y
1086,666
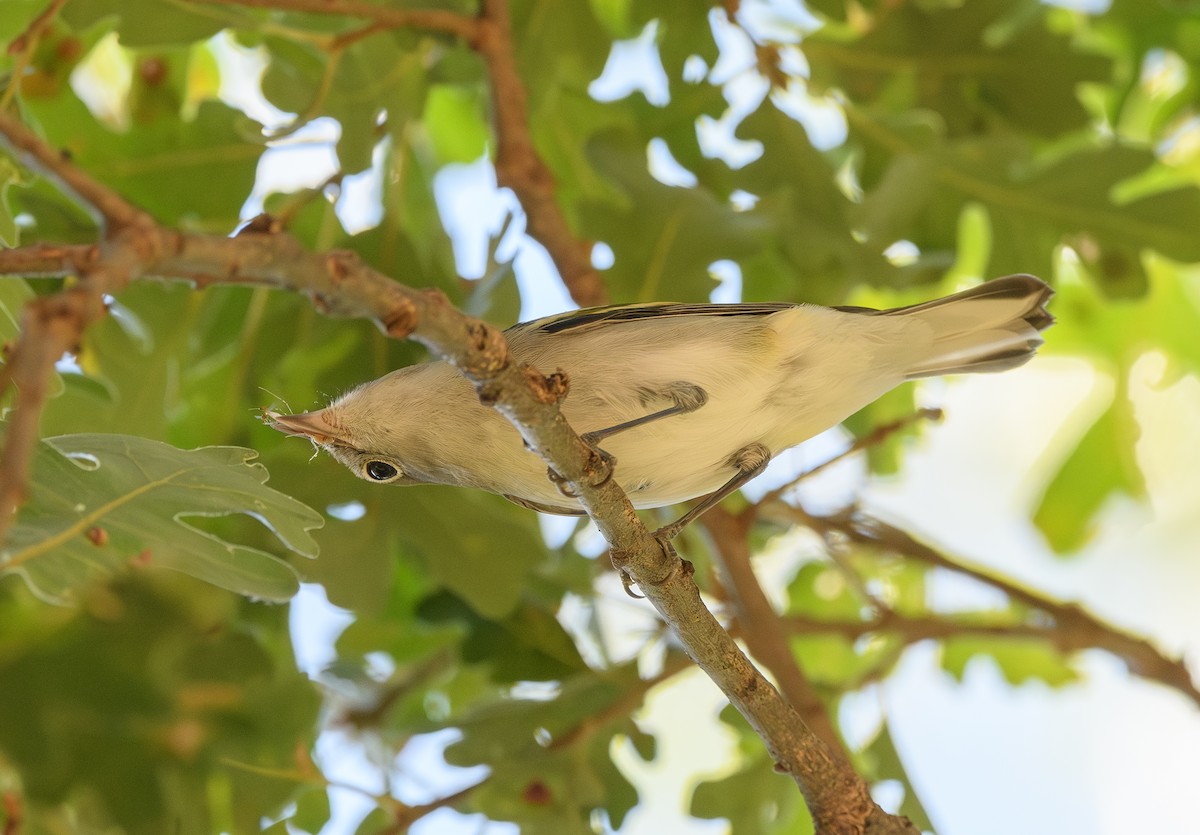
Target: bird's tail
x,y
992,327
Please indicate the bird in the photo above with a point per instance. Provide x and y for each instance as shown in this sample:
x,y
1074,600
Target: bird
x,y
684,400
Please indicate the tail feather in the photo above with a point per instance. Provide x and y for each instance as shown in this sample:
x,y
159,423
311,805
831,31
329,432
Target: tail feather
x,y
992,327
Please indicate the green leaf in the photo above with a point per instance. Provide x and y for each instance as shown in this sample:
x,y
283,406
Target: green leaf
x,y
1033,208
527,645
165,165
614,14
477,545
99,503
970,62
1019,659
667,259
813,249
560,47
312,811
897,404
1139,28
682,33
500,730
149,22
1102,464
454,117
355,86
128,710
376,822
883,762
756,800
820,590
550,758
1114,333
15,293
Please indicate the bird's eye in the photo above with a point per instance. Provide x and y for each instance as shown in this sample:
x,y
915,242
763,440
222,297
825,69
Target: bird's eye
x,y
381,471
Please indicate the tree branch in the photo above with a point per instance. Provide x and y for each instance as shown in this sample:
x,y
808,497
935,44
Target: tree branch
x,y
518,165
14,812
105,205
760,626
50,260
406,816
341,284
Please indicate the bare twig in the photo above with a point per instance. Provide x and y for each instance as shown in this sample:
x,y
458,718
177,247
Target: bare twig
x,y
406,816
1071,627
518,165
307,774
340,283
873,438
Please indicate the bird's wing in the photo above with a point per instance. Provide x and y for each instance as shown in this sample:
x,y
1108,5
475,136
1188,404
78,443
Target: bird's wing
x,y
545,508
596,316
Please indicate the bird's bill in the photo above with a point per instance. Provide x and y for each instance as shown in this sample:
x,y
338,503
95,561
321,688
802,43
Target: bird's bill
x,y
311,425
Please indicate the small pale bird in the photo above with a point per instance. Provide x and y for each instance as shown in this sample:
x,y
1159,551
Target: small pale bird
x,y
688,400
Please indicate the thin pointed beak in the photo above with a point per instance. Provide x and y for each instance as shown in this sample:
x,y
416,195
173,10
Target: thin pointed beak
x,y
311,425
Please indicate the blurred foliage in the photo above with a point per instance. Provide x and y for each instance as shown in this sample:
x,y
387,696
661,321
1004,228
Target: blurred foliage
x,y
967,140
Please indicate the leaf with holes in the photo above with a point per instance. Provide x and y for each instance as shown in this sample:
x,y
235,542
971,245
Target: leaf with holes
x,y
98,503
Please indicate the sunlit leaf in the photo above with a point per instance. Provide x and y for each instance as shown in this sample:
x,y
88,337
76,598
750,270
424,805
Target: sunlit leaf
x,y
454,118
1101,465
101,503
1019,659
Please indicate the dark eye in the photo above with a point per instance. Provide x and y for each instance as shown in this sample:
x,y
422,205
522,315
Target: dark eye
x,y
381,471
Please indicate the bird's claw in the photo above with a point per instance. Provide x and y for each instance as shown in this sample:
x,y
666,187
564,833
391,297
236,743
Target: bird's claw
x,y
607,465
627,582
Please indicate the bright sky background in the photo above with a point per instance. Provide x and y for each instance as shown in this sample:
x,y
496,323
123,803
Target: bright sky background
x,y
1109,755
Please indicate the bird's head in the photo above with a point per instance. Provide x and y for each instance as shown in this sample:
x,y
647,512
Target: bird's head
x,y
404,428
328,429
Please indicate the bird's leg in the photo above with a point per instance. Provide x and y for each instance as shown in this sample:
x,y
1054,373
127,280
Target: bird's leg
x,y
749,460
685,397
